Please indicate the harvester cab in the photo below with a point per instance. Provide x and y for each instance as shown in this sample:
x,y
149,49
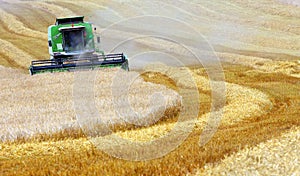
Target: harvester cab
x,y
73,39
72,44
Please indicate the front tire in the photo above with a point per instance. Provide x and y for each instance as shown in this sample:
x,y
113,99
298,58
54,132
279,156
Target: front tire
x,y
125,66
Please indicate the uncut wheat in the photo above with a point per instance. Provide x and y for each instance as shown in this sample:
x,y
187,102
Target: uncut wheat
x,y
45,103
278,156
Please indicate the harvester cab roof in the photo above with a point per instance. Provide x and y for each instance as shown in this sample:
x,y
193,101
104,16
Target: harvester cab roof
x,y
69,20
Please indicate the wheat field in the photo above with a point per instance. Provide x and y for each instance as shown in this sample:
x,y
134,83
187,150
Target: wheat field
x,y
258,43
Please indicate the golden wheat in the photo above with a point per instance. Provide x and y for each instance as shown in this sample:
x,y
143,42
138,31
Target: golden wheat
x,y
249,117
274,157
43,104
48,151
15,54
56,10
286,67
11,151
18,27
242,102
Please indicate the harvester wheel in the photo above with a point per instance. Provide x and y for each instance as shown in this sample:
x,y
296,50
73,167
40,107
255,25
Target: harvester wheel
x,y
125,66
30,71
59,62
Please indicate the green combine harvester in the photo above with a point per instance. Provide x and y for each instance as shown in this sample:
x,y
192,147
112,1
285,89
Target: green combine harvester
x,y
72,45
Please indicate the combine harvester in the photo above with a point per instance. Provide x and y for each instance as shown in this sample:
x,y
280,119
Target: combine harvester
x,y
72,45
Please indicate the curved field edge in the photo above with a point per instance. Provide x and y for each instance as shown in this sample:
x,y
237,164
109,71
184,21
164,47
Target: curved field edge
x,y
228,139
242,103
35,107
